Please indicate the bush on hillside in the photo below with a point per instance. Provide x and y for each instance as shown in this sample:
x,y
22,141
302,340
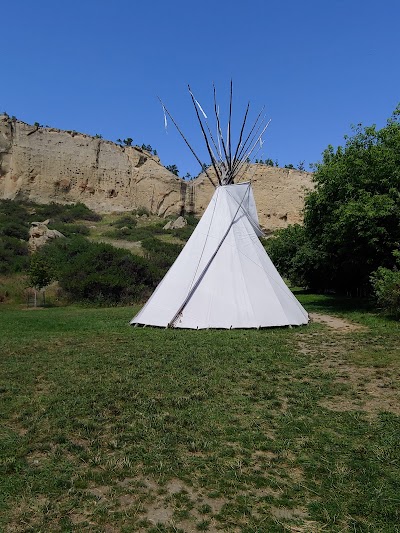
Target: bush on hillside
x,y
137,233
13,255
140,211
65,212
69,230
99,273
14,232
128,221
18,212
78,212
161,254
12,211
15,229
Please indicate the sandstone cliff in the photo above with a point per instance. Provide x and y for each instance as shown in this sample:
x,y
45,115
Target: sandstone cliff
x,y
51,165
278,192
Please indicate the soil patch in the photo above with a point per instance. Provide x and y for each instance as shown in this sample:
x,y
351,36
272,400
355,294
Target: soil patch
x,y
336,323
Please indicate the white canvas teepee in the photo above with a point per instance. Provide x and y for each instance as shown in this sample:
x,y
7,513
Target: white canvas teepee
x,y
223,278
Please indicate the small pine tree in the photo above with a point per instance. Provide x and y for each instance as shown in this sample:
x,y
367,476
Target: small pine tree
x,y
173,169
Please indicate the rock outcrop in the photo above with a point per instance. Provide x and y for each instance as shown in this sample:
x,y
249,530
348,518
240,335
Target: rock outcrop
x,y
40,234
179,223
50,165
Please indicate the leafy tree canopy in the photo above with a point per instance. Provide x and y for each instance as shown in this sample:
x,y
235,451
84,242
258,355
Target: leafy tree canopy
x,y
40,272
352,217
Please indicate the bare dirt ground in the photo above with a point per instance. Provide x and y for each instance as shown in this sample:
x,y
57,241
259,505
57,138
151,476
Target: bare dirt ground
x,y
371,389
336,323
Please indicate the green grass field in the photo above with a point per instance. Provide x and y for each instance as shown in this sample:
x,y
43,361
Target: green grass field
x,y
109,428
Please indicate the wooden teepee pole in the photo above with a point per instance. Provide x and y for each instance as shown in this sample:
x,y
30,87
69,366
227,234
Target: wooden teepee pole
x,y
187,142
213,161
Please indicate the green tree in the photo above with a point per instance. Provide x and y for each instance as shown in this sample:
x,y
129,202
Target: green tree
x,y
128,141
352,217
41,274
147,147
173,169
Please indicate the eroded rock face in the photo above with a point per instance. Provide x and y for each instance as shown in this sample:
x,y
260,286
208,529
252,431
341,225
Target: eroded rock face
x,y
40,234
50,165
279,194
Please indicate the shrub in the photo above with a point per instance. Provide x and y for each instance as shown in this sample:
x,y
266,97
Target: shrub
x,y
126,220
66,212
15,229
51,210
386,287
142,211
161,254
79,212
283,248
137,233
185,232
68,230
13,255
98,272
13,212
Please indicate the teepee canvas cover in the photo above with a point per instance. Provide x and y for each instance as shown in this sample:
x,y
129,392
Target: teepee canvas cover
x,y
223,278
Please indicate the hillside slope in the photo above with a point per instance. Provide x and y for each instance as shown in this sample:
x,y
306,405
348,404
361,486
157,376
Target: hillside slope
x,y
51,165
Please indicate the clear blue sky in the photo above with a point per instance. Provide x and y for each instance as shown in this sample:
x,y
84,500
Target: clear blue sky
x,y
97,66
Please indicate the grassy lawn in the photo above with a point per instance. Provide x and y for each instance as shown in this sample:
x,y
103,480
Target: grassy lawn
x,y
110,428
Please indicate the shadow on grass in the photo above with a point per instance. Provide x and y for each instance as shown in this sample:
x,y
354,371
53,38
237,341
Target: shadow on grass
x,y
326,303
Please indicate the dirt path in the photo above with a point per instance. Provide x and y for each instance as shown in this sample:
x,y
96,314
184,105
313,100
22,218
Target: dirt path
x,y
336,323
371,389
